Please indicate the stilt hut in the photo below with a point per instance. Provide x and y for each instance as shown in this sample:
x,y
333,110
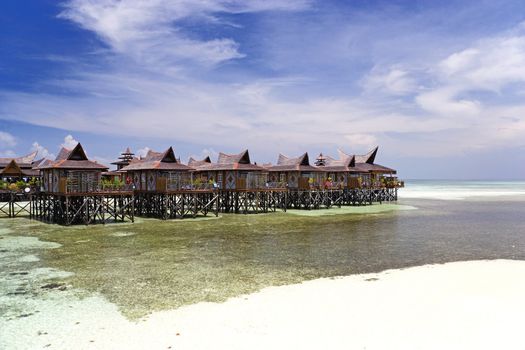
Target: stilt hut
x,y
370,173
19,168
296,173
159,172
71,172
340,173
231,172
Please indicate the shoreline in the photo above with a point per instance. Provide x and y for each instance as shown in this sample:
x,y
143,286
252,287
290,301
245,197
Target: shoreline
x,y
469,304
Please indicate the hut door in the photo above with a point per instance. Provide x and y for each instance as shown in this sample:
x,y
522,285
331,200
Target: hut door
x,y
230,180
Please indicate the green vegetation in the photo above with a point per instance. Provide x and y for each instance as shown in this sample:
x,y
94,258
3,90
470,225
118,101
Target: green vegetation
x,y
114,184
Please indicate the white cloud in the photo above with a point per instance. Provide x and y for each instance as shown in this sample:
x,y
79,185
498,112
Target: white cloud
x,y
141,152
7,140
42,152
395,81
149,31
69,142
360,140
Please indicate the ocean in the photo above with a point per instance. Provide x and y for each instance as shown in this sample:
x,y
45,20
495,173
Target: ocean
x,y
155,265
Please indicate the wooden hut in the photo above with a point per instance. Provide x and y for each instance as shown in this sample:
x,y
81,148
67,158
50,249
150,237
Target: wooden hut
x,y
340,173
19,168
71,172
159,172
370,173
231,172
296,173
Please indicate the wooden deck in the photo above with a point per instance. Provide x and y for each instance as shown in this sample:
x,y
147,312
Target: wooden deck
x,y
118,206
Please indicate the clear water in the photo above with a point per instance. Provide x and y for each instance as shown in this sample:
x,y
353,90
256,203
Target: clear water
x,y
156,265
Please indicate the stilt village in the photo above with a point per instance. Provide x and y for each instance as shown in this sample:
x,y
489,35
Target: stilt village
x,y
72,189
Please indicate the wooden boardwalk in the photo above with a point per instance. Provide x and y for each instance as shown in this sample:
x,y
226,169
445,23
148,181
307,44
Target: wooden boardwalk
x,y
119,206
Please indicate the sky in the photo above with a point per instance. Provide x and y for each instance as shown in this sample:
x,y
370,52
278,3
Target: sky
x,y
438,86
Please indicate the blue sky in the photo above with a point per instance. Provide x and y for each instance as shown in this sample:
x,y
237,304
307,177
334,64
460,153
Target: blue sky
x,y
439,87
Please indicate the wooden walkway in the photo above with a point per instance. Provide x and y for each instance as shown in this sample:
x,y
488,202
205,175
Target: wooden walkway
x,y
120,206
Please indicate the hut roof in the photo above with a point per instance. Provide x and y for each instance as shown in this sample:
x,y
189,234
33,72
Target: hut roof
x,y
301,163
72,159
157,161
225,161
152,155
365,158
11,169
194,162
374,168
36,163
345,164
365,162
241,158
23,161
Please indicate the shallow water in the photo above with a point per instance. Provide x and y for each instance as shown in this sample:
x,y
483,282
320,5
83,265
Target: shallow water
x,y
155,265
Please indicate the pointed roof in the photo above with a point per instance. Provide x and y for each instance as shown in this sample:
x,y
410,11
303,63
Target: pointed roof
x,y
169,156
75,158
37,162
157,161
23,161
241,158
240,161
301,163
63,154
301,160
365,158
344,164
366,162
29,158
11,169
77,153
152,155
194,162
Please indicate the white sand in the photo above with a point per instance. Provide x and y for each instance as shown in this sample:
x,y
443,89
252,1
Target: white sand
x,y
464,305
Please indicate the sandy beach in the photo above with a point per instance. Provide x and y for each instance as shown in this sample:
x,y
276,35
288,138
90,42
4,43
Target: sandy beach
x,y
461,305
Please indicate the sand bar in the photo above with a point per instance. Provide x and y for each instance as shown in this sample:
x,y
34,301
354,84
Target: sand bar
x,y
463,305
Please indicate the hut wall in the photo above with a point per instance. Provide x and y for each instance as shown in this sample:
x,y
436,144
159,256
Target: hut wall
x,y
157,181
70,181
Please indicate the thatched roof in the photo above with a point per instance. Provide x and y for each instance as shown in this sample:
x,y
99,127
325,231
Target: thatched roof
x,y
365,158
374,168
241,158
157,161
13,169
301,163
23,161
195,163
73,159
365,162
240,161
